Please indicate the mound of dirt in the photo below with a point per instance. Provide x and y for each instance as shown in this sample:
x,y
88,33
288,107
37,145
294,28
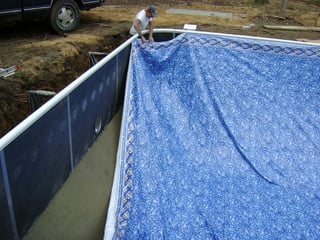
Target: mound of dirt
x,y
50,62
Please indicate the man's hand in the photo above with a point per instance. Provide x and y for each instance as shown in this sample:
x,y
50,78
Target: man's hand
x,y
143,39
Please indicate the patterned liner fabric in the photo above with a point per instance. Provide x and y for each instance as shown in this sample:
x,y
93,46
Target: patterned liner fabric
x,y
220,140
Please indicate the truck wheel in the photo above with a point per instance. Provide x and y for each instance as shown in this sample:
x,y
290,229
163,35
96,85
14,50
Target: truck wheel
x,y
64,16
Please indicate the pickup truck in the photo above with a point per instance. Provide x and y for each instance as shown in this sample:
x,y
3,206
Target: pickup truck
x,y
62,15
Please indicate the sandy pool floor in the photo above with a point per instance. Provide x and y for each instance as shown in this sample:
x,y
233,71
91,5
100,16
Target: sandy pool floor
x,y
78,210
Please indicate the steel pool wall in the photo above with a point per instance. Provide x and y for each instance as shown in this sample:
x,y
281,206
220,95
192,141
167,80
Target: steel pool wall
x,y
40,153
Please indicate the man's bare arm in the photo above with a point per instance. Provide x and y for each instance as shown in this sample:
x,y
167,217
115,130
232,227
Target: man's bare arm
x,y
151,31
136,25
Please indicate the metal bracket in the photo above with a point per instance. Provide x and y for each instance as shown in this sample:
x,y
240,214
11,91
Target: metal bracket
x,y
35,97
95,57
6,72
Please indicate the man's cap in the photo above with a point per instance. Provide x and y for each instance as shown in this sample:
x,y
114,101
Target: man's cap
x,y
153,10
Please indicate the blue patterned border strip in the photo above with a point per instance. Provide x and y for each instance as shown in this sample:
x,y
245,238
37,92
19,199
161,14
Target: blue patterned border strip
x,y
232,43
126,181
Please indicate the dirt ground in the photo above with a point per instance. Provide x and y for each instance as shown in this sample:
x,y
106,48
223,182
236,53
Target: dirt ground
x,y
50,62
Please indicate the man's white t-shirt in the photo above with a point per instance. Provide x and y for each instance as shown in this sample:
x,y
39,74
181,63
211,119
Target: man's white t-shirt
x,y
144,20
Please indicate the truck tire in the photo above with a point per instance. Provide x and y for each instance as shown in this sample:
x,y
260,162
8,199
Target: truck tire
x,y
64,16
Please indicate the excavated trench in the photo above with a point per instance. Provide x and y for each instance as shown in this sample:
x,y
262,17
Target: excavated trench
x,y
17,92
